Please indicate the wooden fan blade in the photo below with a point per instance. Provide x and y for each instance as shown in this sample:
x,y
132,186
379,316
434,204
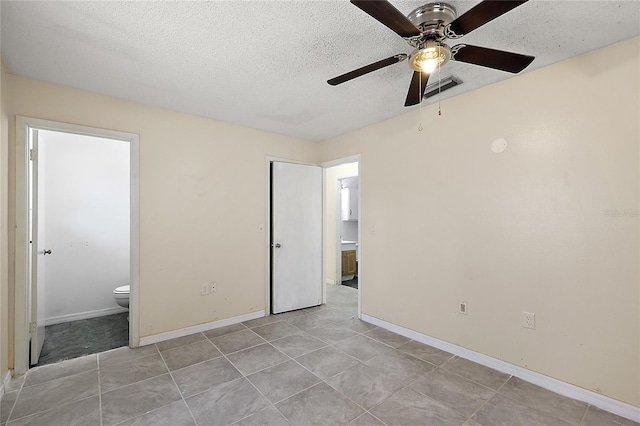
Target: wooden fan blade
x,y
388,15
485,57
416,88
367,69
479,15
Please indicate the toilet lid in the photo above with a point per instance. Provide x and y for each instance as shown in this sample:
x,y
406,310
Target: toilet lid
x,y
122,290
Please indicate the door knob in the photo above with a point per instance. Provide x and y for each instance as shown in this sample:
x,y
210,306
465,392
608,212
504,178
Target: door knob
x,y
46,252
278,245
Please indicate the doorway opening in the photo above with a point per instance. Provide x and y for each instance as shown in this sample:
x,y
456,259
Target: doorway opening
x,y
83,211
342,232
348,231
340,300
76,241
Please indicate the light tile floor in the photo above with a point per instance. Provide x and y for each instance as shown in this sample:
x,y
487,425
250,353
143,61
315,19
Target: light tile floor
x,y
315,366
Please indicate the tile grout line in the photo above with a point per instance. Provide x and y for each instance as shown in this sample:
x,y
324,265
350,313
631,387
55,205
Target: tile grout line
x,y
239,350
332,345
22,387
372,415
584,415
99,388
534,408
473,381
539,409
131,359
324,381
495,392
467,417
301,334
249,415
436,367
140,381
358,405
408,385
16,400
50,409
206,339
226,334
250,382
176,384
280,363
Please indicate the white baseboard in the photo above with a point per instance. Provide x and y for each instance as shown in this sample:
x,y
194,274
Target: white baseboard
x,y
611,405
84,315
161,337
332,282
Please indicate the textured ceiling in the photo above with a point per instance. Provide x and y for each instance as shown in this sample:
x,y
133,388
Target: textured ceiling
x,y
264,64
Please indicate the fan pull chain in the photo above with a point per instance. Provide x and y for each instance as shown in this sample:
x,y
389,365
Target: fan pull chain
x,y
439,88
420,123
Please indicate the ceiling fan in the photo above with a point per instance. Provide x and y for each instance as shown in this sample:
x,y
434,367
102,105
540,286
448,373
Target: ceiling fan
x,y
426,28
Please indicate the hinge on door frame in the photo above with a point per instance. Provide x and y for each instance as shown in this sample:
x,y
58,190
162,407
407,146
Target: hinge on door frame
x,y
31,154
32,327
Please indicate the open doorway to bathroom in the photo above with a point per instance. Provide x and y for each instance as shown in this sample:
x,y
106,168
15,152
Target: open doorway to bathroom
x,y
83,211
77,227
342,244
348,231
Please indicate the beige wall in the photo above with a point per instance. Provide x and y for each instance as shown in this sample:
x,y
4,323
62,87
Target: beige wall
x,y
549,226
4,270
202,199
332,174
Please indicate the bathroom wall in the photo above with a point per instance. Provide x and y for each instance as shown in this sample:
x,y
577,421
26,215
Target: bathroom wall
x,y
86,203
349,230
549,226
332,174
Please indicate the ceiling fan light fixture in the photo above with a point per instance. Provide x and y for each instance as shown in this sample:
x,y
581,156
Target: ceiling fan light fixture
x,y
430,57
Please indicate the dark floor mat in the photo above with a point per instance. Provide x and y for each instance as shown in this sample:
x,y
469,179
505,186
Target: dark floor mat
x,y
78,338
351,283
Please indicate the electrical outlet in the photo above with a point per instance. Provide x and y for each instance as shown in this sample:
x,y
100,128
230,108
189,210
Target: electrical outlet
x,y
212,287
463,308
204,290
529,320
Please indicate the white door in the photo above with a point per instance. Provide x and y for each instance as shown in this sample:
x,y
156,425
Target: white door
x,y
296,236
38,249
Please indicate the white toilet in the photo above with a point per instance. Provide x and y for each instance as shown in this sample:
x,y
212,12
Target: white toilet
x,y
122,296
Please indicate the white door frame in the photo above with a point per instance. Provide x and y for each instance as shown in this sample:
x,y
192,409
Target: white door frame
x,y
23,126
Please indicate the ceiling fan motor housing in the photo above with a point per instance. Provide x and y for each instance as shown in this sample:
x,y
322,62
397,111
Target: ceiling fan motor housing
x,y
431,19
